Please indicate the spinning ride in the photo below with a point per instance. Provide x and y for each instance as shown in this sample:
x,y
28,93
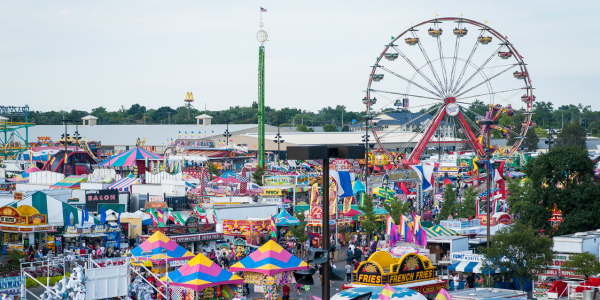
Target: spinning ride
x,y
455,92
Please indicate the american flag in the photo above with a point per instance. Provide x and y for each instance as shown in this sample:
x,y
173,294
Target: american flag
x,y
263,9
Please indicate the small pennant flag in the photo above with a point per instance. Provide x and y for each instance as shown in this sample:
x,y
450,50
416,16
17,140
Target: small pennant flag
x,y
386,293
263,9
437,15
486,22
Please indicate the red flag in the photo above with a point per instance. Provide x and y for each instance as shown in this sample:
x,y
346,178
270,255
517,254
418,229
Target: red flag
x,y
403,188
376,168
447,181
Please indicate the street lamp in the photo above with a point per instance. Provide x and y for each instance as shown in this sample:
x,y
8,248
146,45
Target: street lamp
x,y
164,251
278,140
488,171
226,134
365,140
66,138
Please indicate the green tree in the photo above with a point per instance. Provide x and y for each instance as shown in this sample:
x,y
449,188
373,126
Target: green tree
x,y
330,128
520,250
531,140
345,128
561,177
449,205
571,135
468,206
213,170
397,209
302,128
257,176
299,231
584,264
369,224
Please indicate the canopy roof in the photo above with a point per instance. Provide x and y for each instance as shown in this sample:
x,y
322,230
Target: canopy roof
x,y
269,259
124,184
155,244
438,230
399,293
285,219
24,177
71,182
128,158
200,273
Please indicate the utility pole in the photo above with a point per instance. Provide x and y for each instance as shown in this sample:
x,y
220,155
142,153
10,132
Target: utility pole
x,y
489,123
169,117
367,119
226,134
278,140
550,140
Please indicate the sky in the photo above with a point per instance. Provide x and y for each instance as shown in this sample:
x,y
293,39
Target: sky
x,y
64,55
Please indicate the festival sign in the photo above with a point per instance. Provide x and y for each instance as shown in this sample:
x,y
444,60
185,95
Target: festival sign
x,y
258,227
156,198
279,180
228,226
95,197
192,224
340,165
271,192
316,212
11,216
100,229
244,227
410,268
71,230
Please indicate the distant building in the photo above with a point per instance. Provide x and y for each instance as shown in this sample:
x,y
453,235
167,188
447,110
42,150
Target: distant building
x,y
404,122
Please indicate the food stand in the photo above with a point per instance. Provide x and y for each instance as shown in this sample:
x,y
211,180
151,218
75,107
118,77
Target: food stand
x,y
24,226
255,232
412,271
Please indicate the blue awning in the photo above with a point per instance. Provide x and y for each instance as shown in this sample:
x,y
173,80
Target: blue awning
x,y
472,267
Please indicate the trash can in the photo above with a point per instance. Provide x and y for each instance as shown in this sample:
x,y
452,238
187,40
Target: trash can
x,y
589,294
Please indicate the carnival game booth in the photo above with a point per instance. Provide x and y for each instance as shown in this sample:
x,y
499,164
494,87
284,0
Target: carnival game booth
x,y
411,271
201,278
397,293
136,158
268,268
56,214
150,253
254,232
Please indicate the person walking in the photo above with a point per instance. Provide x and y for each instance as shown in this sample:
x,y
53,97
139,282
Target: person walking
x,y
357,254
456,280
348,272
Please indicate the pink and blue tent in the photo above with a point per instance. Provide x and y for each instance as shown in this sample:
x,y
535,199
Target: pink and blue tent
x,y
124,184
24,177
129,158
269,259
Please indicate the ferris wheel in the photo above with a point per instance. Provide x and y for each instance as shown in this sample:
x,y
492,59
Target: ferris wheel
x,y
460,94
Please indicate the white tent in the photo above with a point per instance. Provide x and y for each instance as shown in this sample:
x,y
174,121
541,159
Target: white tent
x,y
56,210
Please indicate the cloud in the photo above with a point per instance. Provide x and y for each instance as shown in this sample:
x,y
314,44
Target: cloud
x,y
64,12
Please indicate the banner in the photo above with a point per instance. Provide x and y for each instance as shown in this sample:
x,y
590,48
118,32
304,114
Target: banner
x,y
314,196
333,200
347,204
280,180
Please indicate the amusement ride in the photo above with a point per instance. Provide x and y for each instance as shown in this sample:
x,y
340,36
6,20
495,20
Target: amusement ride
x,y
479,74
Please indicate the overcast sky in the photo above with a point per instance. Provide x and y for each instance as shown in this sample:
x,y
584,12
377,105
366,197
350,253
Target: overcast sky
x,y
83,54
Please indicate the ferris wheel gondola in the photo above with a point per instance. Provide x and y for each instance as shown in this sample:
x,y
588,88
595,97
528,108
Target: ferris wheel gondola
x,y
452,86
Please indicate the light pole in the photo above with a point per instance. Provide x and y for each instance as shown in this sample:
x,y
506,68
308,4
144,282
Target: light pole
x,y
226,134
365,140
550,132
278,140
488,171
439,134
66,138
164,251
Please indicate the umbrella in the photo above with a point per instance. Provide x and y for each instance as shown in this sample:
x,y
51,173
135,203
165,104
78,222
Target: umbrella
x,y
353,212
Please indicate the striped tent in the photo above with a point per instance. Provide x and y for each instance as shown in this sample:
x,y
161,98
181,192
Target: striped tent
x,y
129,158
155,244
269,259
71,182
124,184
438,230
200,273
56,210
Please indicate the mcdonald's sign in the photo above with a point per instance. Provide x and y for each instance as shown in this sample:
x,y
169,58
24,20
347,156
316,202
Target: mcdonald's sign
x,y
189,97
